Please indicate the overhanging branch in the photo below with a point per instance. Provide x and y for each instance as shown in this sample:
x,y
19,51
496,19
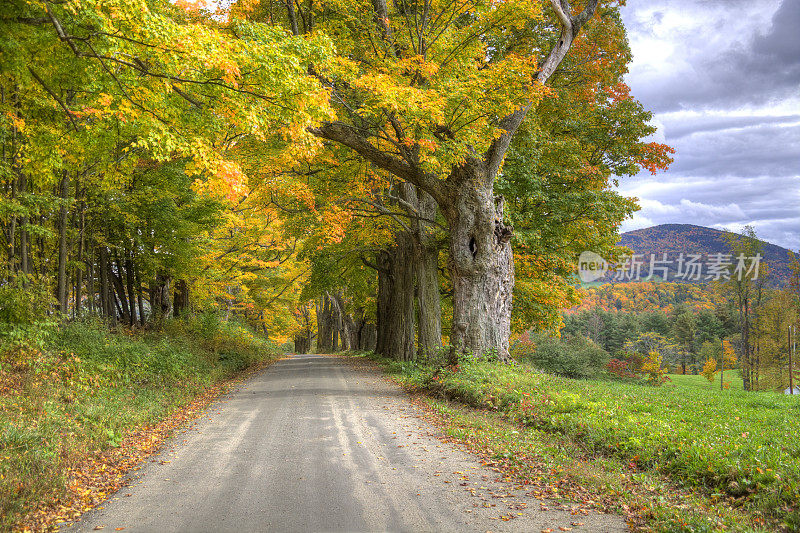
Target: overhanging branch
x,y
349,136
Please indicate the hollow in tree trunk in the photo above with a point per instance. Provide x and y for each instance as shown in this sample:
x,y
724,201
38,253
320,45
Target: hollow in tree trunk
x,y
481,266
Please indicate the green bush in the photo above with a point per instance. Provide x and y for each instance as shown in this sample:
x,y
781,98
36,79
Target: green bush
x,y
24,303
572,356
24,321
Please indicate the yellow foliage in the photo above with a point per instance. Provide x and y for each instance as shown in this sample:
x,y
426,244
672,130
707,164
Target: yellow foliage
x,y
653,369
728,355
709,369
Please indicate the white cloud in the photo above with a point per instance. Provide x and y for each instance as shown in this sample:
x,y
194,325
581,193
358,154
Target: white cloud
x,y
637,221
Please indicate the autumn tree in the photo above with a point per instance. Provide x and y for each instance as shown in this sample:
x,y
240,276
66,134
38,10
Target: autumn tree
x,y
683,331
254,106
648,343
121,123
709,369
770,337
433,94
652,368
745,288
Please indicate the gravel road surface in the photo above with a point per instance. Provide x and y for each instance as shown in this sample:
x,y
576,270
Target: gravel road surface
x,y
314,443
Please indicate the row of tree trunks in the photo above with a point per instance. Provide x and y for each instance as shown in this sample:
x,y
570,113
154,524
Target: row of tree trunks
x,y
409,316
302,342
337,328
303,338
325,325
90,277
119,293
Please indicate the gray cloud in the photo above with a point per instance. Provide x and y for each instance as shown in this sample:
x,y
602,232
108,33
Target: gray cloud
x,y
675,129
723,77
730,56
756,151
781,42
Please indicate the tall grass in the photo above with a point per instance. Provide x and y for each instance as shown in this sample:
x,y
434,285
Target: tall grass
x,y
79,388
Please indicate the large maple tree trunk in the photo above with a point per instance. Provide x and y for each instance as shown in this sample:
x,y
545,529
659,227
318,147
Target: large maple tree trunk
x,y
481,266
429,309
396,300
426,269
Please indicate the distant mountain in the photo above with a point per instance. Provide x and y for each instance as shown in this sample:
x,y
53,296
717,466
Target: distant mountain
x,y
676,239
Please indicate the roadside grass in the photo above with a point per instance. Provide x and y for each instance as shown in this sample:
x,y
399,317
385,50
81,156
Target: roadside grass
x,y
82,389
736,453
557,467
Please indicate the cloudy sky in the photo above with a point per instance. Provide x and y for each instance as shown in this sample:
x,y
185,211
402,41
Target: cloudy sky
x,y
722,78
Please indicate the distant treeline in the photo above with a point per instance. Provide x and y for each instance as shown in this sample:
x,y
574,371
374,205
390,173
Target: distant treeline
x,y
686,325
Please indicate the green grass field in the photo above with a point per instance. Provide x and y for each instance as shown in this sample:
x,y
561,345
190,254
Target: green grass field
x,y
740,447
699,382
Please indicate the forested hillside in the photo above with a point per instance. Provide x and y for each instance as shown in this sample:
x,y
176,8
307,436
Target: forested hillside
x,y
647,296
675,239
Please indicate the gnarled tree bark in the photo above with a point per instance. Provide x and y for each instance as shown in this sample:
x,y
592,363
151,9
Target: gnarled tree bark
x,y
481,266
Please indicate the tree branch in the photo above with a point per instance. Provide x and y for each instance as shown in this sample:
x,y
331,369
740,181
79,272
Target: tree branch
x,y
62,35
349,136
570,26
55,97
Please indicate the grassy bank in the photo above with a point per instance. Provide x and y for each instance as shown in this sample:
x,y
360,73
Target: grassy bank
x,y
732,449
72,391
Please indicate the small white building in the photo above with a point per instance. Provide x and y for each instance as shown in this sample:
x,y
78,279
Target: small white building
x,y
796,390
